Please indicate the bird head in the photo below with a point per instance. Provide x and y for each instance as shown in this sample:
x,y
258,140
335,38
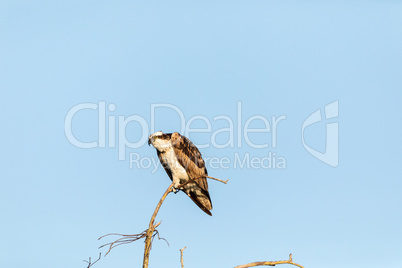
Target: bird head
x,y
160,140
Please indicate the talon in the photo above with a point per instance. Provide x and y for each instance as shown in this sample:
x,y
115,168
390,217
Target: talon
x,y
175,190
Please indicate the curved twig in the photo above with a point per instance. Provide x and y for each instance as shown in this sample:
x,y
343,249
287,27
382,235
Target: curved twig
x,y
270,263
90,263
151,228
126,239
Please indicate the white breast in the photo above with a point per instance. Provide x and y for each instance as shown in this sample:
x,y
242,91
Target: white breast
x,y
178,172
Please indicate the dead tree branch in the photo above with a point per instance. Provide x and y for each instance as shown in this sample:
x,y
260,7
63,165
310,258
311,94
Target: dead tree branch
x,y
181,257
217,179
126,239
201,176
270,263
148,234
151,232
151,228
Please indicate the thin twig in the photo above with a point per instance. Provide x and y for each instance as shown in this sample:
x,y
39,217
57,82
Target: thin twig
x,y
90,263
181,257
201,176
270,263
217,179
127,239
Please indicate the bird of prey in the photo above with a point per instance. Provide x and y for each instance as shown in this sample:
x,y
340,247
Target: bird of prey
x,y
183,162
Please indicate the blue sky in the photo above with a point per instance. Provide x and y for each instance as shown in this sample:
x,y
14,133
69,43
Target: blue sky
x,y
274,58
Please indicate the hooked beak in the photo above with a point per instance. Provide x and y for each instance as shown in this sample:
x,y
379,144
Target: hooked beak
x,y
149,141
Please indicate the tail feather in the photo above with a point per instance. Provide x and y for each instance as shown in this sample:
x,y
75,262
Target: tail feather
x,y
201,198
202,203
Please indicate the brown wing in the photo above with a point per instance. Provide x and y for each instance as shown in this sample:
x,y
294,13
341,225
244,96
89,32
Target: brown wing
x,y
190,158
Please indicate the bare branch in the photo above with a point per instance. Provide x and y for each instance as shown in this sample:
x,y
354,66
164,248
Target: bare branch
x,y
181,257
270,263
90,263
151,232
151,228
126,239
217,179
201,176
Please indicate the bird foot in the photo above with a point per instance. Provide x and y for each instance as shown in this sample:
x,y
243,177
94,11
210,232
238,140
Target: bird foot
x,y
175,190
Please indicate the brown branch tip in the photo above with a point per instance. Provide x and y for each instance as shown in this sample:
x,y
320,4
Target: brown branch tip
x,y
218,179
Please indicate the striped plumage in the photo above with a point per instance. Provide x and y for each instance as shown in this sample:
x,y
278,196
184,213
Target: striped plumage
x,y
182,161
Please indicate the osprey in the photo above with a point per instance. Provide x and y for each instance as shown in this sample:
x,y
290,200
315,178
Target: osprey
x,y
183,162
